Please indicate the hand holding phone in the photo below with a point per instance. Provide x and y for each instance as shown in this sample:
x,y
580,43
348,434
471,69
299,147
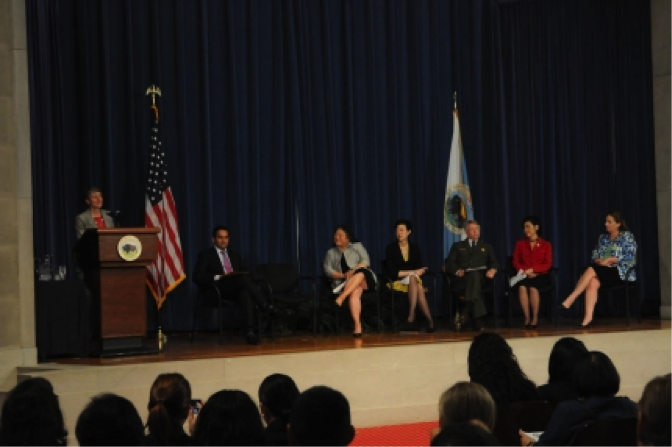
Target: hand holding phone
x,y
196,405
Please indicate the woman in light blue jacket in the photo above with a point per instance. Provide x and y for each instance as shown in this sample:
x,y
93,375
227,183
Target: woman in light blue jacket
x,y
611,261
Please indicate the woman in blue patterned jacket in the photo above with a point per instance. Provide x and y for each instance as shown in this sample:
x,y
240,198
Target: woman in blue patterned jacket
x,y
611,260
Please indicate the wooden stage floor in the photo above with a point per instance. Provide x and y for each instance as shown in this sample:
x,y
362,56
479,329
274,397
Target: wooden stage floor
x,y
206,346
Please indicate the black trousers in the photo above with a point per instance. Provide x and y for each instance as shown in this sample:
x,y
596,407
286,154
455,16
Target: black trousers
x,y
242,289
469,286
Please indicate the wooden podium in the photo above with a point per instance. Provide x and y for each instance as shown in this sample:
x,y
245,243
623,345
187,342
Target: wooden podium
x,y
114,262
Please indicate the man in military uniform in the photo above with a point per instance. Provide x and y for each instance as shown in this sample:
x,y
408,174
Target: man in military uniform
x,y
472,262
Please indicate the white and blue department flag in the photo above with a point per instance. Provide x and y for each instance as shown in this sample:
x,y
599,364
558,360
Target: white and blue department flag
x,y
457,206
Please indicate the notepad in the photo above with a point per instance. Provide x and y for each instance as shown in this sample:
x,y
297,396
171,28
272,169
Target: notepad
x,y
339,287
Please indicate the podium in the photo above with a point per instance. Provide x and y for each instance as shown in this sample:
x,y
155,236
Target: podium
x,y
114,263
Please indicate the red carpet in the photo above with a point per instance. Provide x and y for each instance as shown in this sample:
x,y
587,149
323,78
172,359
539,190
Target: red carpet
x,y
406,434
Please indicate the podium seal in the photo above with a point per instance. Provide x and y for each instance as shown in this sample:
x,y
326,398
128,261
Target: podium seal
x,y
129,248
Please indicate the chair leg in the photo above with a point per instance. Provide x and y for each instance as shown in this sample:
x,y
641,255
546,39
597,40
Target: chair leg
x,y
554,309
260,328
314,319
394,313
378,308
627,305
509,318
193,326
221,322
638,305
338,321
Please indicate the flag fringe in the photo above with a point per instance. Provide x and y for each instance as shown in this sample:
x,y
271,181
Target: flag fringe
x,y
161,300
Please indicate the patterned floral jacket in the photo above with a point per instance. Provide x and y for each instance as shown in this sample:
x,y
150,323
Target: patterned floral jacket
x,y
623,247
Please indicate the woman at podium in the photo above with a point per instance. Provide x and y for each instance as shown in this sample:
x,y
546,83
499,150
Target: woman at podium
x,y
95,216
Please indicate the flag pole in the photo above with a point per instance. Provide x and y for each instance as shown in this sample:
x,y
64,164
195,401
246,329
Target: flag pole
x,y
153,91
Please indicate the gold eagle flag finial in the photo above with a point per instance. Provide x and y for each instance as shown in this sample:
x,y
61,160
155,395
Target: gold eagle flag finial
x,y
153,90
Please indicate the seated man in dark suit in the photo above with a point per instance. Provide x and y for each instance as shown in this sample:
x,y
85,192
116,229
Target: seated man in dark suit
x,y
471,261
218,265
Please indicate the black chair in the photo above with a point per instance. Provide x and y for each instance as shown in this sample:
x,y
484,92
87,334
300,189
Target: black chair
x,y
281,284
210,296
608,432
551,288
629,287
487,290
370,298
386,282
529,416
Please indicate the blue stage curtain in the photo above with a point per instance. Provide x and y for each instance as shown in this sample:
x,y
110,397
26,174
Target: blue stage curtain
x,y
281,119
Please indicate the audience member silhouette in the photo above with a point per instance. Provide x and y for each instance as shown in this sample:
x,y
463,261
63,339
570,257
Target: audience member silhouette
x,y
596,381
169,407
464,402
109,420
491,363
655,413
464,433
31,415
229,417
277,395
321,416
564,356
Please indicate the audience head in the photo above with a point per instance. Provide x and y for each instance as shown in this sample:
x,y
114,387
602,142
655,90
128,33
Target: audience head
x,y
532,226
465,401
595,376
31,415
343,235
169,404
229,417
321,416
464,433
617,217
491,363
110,420
564,356
655,413
277,394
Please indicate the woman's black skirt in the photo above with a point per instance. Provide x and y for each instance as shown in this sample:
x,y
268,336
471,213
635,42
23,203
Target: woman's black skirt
x,y
368,277
538,282
608,276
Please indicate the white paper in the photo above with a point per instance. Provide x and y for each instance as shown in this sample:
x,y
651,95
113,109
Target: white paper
x,y
407,279
519,277
339,287
534,435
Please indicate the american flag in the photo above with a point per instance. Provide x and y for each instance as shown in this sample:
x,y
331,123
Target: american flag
x,y
167,271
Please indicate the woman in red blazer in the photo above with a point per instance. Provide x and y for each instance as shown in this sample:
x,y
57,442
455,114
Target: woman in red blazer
x,y
534,256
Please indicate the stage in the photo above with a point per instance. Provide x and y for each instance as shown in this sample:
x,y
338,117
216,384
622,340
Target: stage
x,y
388,378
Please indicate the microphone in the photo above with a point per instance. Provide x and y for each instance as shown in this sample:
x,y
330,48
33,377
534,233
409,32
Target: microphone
x,y
117,216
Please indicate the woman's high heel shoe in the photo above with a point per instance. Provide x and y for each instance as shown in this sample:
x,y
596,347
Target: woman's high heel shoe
x,y
584,326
